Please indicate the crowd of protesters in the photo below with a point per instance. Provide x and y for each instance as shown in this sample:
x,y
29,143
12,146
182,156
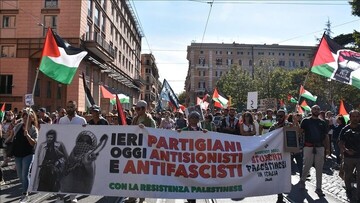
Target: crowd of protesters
x,y
322,134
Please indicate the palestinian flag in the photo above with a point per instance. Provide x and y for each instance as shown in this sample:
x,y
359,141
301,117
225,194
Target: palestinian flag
x,y
122,97
220,99
337,63
2,112
343,112
305,106
59,60
306,94
292,99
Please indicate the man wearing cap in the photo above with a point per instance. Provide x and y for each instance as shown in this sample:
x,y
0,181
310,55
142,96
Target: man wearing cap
x,y
97,119
266,122
142,118
193,120
43,117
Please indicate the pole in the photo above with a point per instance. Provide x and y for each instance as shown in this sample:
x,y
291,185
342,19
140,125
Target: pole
x,y
32,96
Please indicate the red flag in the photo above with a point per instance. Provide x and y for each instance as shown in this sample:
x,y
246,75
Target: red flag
x,y
106,93
342,110
121,114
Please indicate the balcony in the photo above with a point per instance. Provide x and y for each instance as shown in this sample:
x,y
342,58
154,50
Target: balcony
x,y
97,45
139,81
202,66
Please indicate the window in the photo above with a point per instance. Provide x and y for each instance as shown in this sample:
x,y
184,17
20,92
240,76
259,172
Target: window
x,y
229,61
250,63
281,63
218,61
48,90
6,82
50,21
201,52
291,63
90,9
97,16
51,3
301,63
8,22
240,62
103,26
202,61
8,51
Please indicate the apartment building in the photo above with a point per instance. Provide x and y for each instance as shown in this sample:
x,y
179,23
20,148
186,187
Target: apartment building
x,y
152,85
107,29
209,61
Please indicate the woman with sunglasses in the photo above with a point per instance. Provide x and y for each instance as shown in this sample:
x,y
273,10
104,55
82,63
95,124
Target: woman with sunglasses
x,y
247,126
24,137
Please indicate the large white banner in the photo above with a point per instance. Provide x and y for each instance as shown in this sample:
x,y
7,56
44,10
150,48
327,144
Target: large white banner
x,y
156,163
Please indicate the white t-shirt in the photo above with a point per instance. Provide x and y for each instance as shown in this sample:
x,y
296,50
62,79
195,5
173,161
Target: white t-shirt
x,y
77,120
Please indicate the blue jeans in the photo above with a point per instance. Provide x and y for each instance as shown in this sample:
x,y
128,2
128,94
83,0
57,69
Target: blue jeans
x,y
23,170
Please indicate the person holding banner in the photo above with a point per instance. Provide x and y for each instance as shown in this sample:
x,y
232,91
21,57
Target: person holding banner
x,y
281,121
349,143
71,119
167,122
229,124
247,127
142,119
194,118
24,138
316,143
266,122
97,119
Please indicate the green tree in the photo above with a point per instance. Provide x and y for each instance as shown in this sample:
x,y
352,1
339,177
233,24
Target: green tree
x,y
236,84
182,97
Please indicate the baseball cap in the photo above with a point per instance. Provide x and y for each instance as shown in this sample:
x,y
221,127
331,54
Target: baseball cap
x,y
141,103
95,108
194,114
42,110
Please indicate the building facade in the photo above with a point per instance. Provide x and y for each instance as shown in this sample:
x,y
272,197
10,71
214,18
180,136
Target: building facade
x,y
209,61
107,29
152,85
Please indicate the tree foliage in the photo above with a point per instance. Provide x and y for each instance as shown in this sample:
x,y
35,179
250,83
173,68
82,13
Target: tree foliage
x,y
182,97
279,82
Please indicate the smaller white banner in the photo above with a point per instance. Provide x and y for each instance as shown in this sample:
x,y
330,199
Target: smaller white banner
x,y
29,100
252,100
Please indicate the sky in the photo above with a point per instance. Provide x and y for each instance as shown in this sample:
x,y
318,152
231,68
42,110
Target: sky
x,y
170,26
